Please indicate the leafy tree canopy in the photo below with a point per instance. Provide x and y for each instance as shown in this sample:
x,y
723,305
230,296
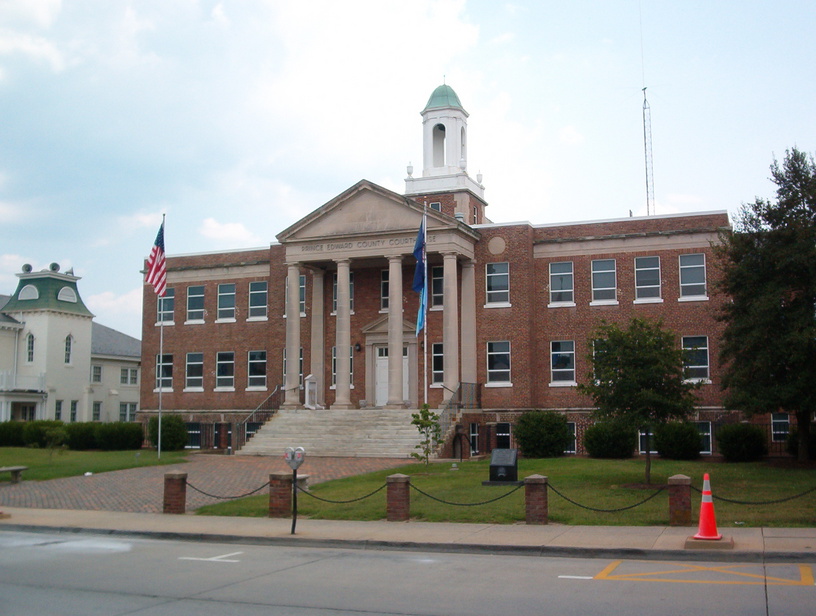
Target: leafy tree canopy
x,y
768,268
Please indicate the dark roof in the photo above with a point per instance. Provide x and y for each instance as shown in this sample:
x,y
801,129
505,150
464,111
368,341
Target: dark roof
x,y
4,318
107,341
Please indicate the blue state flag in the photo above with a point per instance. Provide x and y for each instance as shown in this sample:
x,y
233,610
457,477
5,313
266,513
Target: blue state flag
x,y
419,284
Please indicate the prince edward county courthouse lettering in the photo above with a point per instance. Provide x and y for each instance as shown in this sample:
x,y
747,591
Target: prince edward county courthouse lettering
x,y
315,337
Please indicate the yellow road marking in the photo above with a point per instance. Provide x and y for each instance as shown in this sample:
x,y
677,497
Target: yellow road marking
x,y
806,577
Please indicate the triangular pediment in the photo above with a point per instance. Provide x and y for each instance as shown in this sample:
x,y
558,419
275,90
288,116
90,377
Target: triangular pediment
x,y
363,209
380,326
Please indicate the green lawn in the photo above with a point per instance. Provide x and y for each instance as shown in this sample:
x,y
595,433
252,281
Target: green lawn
x,y
43,464
601,484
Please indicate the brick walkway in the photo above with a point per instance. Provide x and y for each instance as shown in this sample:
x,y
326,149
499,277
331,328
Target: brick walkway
x,y
141,490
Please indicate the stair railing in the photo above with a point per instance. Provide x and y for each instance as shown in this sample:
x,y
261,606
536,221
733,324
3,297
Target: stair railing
x,y
260,414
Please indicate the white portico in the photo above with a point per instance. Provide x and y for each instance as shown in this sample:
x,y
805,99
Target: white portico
x,y
370,228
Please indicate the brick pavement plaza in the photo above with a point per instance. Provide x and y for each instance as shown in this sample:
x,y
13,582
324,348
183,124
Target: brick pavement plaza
x,y
141,490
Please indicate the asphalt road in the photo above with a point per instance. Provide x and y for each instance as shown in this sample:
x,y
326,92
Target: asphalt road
x,y
44,574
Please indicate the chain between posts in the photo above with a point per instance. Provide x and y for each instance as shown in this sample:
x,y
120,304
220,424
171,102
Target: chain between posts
x,y
577,504
770,502
341,502
200,491
444,502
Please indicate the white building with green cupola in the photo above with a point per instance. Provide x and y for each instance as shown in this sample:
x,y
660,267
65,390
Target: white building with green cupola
x,y
55,362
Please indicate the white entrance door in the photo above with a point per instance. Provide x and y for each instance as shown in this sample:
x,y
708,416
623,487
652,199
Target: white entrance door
x,y
381,376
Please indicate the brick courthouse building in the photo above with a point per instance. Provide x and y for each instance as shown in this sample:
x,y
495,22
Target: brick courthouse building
x,y
511,306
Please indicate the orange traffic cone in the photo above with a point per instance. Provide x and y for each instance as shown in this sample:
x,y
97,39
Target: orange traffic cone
x,y
708,521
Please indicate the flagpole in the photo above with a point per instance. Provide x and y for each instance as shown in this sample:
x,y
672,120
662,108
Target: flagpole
x,y
161,359
425,303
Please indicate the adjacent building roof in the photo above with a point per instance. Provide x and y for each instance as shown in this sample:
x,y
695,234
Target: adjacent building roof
x,y
107,341
47,290
4,318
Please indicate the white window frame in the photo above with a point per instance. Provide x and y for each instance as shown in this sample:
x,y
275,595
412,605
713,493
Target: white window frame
x,y
558,279
436,206
704,428
599,292
559,377
96,413
226,296
58,410
693,372
687,287
96,373
258,362
164,372
69,350
437,364
165,306
497,298
780,427
258,301
573,428
195,315
437,276
648,293
74,409
384,290
30,348
473,437
195,382
496,376
225,371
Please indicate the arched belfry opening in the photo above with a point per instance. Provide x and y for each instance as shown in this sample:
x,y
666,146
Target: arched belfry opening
x,y
438,138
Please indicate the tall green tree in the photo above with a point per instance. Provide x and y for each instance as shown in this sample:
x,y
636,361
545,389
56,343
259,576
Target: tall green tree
x,y
637,377
768,264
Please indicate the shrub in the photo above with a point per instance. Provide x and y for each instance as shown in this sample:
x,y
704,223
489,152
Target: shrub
x,y
120,435
34,432
741,442
11,434
610,439
542,434
793,443
174,432
81,436
678,441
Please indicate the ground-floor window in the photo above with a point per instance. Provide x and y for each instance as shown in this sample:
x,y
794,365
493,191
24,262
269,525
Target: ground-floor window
x,y
780,427
474,437
127,411
704,427
503,435
97,411
193,435
571,448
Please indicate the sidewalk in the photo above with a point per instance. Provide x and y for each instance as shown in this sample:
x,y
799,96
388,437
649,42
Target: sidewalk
x,y
642,543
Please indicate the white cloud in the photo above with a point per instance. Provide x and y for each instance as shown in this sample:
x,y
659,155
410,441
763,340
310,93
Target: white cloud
x,y
41,13
117,311
228,234
569,135
35,47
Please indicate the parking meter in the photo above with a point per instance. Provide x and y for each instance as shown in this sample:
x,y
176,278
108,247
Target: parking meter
x,y
294,458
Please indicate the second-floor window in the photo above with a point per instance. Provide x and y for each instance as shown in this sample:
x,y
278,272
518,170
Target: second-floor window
x,y
695,352
69,348
384,289
437,274
30,348
561,283
225,369
604,281
194,377
258,300
164,372
301,294
226,301
96,374
165,305
692,276
437,363
195,303
497,283
256,369
647,278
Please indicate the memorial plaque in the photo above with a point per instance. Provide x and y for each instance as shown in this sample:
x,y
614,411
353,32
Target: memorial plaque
x,y
504,465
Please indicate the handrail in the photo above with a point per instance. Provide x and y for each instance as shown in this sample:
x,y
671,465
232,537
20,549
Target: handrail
x,y
258,408
466,395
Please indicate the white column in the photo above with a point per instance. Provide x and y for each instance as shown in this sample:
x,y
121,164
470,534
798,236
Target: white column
x,y
291,397
318,349
342,397
395,315
450,324
469,374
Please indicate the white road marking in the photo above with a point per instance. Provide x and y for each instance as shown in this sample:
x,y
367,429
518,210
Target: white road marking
x,y
574,577
224,558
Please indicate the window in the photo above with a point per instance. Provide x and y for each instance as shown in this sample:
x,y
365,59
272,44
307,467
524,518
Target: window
x,y
97,411
74,405
642,442
134,376
58,410
226,301
474,438
165,305
301,295
69,344
334,366
647,278
67,294
193,435
258,300
498,362
562,362
437,363
30,348
195,303
194,373
300,366
436,205
384,289
351,292
561,283
437,286
28,292
695,360
96,374
571,448
256,369
780,427
692,276
498,283
128,376
225,370
164,372
503,435
604,281
704,428
127,411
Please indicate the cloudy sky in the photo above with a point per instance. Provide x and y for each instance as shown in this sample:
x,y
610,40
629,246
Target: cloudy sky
x,y
237,117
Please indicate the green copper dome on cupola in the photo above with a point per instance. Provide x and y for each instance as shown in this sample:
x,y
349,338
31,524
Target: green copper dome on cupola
x,y
47,290
442,97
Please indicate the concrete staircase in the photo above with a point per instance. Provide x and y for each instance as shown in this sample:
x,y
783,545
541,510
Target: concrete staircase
x,y
362,433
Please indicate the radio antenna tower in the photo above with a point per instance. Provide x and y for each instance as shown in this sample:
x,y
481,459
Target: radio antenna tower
x,y
647,150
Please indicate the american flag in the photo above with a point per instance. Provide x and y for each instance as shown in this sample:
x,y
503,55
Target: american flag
x,y
156,265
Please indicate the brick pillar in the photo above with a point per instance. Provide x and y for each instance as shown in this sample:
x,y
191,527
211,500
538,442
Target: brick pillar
x,y
535,499
679,500
175,492
280,495
398,498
